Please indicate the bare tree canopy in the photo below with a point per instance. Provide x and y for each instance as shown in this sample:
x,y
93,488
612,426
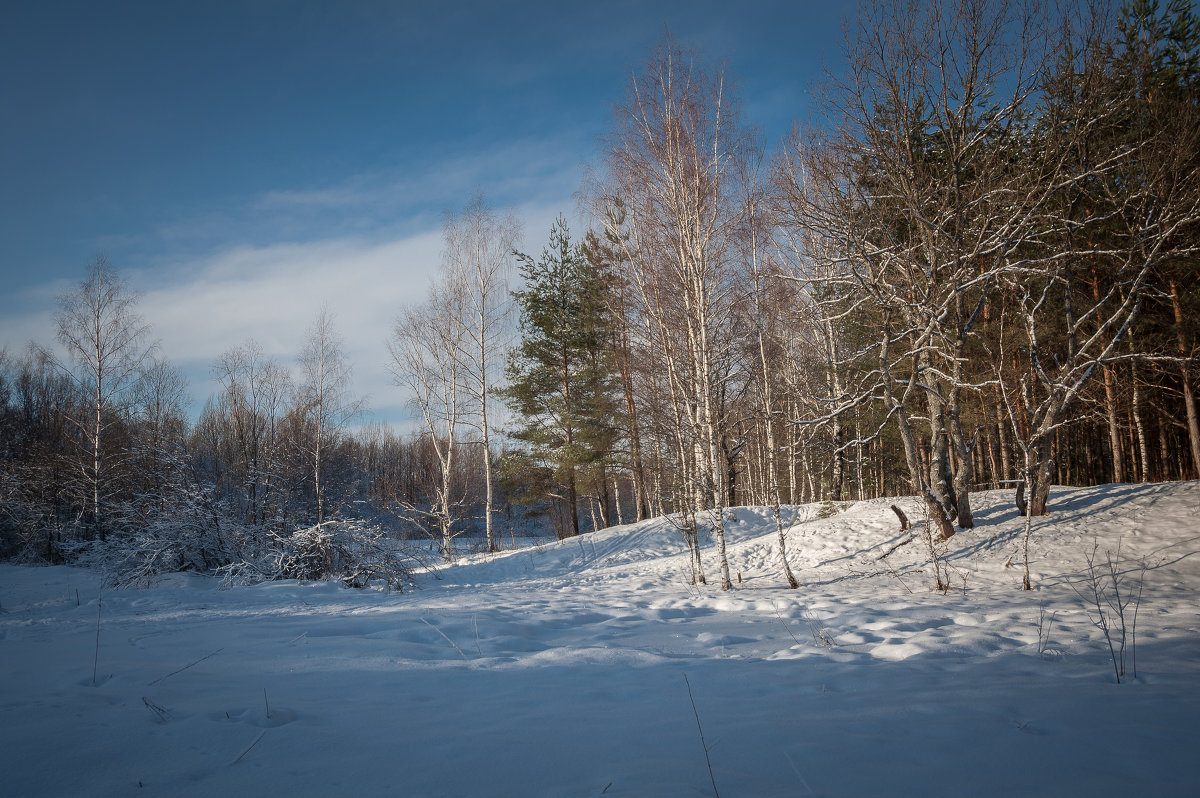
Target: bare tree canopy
x,y
106,344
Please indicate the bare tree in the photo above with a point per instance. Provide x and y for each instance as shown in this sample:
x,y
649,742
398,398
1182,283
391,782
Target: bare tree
x,y
241,426
671,157
910,200
478,256
757,233
159,399
426,349
106,345
1126,203
160,396
609,253
324,399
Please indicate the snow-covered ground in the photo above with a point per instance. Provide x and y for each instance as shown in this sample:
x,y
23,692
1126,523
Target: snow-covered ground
x,y
560,670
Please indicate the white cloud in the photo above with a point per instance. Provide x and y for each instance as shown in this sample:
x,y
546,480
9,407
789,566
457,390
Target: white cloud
x,y
272,295
201,305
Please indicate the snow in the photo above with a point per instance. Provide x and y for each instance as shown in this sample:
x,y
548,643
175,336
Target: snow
x,y
558,670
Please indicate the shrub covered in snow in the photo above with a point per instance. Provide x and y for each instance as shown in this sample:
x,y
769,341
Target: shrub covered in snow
x,y
352,552
155,536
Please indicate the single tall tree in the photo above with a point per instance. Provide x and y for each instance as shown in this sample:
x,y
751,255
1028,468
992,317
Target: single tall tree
x,y
324,400
562,384
478,251
426,348
106,344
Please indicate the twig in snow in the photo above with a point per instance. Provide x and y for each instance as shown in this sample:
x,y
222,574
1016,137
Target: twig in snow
x,y
448,640
799,775
820,633
96,660
1103,585
1044,626
475,624
185,667
892,550
266,703
785,626
247,749
162,713
892,571
703,743
1137,603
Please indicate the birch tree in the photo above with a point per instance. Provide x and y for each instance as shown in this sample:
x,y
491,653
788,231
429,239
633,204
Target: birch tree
x,y
478,252
426,349
324,400
671,157
106,344
757,233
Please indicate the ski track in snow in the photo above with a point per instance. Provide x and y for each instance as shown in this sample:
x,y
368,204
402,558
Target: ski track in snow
x,y
557,670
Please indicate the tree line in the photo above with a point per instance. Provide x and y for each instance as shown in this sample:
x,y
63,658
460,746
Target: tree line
x,y
973,268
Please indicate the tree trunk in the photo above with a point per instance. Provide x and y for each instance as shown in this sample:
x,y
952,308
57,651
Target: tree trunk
x,y
1043,476
1110,405
641,503
1002,427
940,474
858,455
572,503
1189,398
839,457
1114,431
1140,425
933,505
964,474
616,488
96,519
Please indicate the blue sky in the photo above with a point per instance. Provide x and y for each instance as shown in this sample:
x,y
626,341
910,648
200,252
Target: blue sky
x,y
244,163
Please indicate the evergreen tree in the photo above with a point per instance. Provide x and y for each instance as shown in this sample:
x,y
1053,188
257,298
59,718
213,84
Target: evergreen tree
x,y
562,383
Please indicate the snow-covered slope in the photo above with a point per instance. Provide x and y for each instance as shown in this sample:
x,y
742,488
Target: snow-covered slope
x,y
559,670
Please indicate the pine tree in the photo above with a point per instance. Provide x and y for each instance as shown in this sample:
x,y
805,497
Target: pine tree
x,y
562,383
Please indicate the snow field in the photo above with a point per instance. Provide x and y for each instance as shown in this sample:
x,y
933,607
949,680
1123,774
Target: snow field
x,y
558,670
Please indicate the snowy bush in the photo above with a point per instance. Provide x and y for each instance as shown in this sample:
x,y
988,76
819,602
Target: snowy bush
x,y
183,534
352,552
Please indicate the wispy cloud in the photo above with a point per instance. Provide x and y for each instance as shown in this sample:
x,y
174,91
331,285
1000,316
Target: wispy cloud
x,y
272,294
526,171
203,305
364,247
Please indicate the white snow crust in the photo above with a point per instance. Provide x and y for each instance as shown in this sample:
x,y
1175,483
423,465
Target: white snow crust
x,y
558,670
